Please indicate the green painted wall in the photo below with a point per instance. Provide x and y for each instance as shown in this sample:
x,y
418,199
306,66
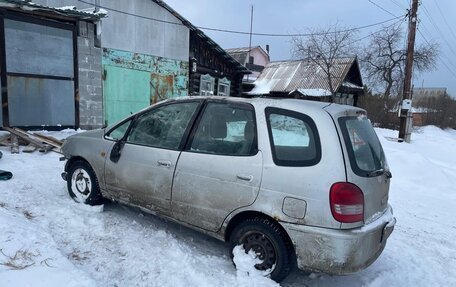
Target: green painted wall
x,y
133,81
125,92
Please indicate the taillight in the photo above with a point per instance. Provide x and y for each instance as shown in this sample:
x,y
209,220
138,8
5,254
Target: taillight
x,y
347,202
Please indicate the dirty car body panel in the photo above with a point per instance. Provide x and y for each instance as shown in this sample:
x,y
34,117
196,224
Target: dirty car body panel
x,y
211,163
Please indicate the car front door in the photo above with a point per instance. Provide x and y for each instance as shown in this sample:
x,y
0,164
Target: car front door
x,y
220,169
143,173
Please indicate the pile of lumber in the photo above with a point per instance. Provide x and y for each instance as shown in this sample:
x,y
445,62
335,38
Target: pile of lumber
x,y
31,140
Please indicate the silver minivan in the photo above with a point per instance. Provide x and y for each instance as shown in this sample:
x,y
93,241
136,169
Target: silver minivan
x,y
298,182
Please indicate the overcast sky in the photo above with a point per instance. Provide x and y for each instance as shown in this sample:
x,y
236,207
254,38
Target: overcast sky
x,y
437,22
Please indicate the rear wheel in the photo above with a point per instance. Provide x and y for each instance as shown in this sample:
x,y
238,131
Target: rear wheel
x,y
82,184
269,243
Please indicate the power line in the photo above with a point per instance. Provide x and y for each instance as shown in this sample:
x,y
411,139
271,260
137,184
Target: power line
x,y
382,8
444,19
438,56
429,34
378,31
245,32
398,4
370,34
302,34
438,29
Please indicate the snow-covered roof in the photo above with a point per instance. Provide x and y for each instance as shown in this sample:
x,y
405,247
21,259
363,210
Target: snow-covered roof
x,y
351,85
288,76
90,14
313,92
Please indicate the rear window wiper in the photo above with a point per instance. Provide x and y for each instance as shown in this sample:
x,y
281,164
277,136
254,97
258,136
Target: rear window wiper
x,y
379,172
376,172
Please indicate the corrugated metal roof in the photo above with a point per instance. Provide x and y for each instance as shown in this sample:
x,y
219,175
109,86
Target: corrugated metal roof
x,y
239,50
68,11
287,76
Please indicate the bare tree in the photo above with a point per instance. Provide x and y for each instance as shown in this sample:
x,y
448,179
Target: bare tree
x,y
323,47
383,60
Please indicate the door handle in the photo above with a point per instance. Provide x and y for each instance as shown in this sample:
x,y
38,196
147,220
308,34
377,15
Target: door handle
x,y
164,163
244,177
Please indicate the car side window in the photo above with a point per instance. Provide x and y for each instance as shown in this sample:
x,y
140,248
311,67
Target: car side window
x,y
294,138
164,126
118,132
226,129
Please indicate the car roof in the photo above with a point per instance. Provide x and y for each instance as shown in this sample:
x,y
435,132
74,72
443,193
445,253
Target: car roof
x,y
285,103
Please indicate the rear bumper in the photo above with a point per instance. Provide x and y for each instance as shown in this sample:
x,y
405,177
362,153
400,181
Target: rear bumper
x,y
336,251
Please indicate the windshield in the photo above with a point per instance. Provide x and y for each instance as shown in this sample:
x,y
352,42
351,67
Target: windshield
x,y
364,149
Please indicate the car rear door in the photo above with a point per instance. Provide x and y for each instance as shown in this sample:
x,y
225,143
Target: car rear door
x,y
367,166
144,171
221,168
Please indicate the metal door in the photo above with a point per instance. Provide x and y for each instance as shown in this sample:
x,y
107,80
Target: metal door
x,y
38,93
143,174
125,92
221,169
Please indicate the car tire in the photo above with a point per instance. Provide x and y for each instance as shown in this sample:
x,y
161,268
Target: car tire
x,y
270,243
82,184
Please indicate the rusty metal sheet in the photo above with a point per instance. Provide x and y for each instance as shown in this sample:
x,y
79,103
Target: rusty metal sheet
x,y
161,87
133,81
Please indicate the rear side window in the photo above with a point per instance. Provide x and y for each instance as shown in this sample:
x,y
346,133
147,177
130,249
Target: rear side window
x,y
294,138
364,149
226,129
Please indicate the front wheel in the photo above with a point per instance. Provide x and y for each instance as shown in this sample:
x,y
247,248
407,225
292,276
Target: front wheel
x,y
269,243
82,184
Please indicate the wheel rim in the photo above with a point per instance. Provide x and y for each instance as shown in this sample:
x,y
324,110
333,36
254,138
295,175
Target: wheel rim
x,y
263,248
81,184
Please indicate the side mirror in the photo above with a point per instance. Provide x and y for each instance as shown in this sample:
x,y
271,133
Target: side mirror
x,y
116,151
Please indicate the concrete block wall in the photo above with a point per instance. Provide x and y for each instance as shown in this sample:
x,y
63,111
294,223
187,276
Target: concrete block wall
x,y
90,78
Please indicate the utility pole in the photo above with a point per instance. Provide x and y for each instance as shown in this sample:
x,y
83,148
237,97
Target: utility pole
x,y
250,38
406,116
97,5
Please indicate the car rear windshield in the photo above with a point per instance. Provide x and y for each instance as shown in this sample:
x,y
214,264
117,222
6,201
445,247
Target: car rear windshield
x,y
364,149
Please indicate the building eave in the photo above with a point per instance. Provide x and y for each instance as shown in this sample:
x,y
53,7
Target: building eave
x,y
65,12
240,68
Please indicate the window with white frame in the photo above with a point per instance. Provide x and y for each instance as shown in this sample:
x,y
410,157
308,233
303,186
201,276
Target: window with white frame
x,y
206,85
223,88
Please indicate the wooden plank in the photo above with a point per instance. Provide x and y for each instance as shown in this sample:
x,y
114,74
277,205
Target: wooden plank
x,y
50,143
4,139
26,137
44,144
49,140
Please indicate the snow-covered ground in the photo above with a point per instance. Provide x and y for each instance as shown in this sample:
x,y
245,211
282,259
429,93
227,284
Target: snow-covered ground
x,y
46,239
